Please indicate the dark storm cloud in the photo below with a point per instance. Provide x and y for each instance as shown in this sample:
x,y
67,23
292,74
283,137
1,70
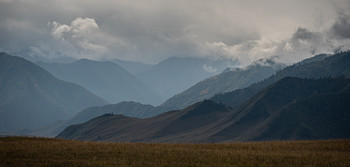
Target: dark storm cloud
x,y
303,34
341,28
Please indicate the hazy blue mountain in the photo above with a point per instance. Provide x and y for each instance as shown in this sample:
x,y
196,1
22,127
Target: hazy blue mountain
x,y
175,75
27,54
229,80
327,66
105,79
131,109
30,97
133,67
139,110
291,108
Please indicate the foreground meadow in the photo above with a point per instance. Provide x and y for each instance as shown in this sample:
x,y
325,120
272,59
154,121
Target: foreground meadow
x,y
25,151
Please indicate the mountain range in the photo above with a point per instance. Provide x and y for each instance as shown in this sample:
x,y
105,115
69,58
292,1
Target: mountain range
x,y
134,68
291,108
176,74
335,65
320,66
317,67
229,80
105,79
30,97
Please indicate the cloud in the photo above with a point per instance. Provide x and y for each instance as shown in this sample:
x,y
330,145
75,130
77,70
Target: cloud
x,y
5,1
302,34
303,43
58,30
341,28
246,52
83,26
209,68
153,30
83,33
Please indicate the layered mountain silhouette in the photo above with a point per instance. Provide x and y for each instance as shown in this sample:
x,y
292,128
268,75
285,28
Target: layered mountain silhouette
x,y
30,97
105,79
317,67
177,74
229,80
216,84
121,128
131,109
291,108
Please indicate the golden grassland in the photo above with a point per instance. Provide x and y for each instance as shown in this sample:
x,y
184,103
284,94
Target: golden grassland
x,y
29,151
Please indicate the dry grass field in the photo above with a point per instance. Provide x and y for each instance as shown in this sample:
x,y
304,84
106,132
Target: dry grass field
x,y
25,151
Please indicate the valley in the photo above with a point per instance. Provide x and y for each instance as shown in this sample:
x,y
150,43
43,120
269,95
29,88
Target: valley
x,y
175,83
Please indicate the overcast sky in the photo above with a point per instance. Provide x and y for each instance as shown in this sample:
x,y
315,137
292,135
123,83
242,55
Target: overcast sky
x,y
152,30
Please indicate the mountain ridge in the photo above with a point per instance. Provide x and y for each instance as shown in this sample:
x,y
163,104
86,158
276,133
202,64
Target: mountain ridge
x,y
227,81
329,66
170,104
176,74
208,121
31,97
106,79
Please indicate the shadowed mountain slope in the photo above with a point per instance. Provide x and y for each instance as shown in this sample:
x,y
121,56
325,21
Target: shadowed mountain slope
x,y
230,79
221,83
269,115
177,74
131,109
331,66
31,97
106,79
259,118
166,127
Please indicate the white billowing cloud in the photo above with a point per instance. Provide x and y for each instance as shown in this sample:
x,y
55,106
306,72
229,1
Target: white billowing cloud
x,y
245,52
209,68
85,35
59,30
302,44
84,26
81,32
